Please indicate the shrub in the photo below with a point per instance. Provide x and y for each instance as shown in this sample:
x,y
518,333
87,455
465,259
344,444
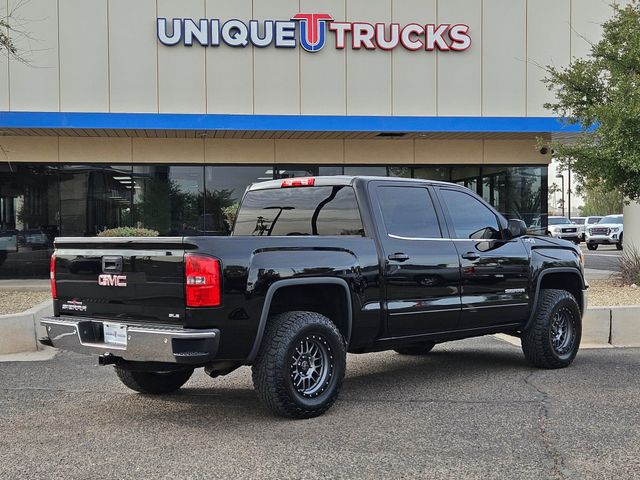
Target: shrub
x,y
630,265
128,232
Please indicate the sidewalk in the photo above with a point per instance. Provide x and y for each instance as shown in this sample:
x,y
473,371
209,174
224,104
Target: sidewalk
x,y
593,274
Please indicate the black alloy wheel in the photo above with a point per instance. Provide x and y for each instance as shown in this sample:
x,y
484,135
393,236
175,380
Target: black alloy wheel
x,y
300,366
553,338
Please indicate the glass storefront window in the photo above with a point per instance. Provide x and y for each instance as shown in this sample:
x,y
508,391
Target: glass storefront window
x,y
29,219
169,199
466,176
376,171
331,170
94,198
39,202
224,189
442,174
401,172
293,171
494,187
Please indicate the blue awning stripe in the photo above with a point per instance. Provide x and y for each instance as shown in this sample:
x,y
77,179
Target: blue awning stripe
x,y
301,123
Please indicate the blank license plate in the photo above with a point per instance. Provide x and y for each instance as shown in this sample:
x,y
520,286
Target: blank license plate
x,y
115,334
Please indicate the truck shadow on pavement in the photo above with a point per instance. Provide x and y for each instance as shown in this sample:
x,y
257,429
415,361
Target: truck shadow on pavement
x,y
381,376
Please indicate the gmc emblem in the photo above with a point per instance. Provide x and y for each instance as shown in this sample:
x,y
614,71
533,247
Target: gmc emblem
x,y
108,280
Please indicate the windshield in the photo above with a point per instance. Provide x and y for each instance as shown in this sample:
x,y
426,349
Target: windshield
x,y
615,219
558,220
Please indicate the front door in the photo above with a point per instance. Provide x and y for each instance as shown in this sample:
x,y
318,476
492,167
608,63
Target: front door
x,y
421,268
495,287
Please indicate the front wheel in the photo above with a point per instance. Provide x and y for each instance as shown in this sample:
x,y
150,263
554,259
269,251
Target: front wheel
x,y
592,246
153,383
619,244
416,348
300,365
553,339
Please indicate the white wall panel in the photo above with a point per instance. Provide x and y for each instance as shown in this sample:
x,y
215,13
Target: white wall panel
x,y
460,73
587,17
504,54
276,70
84,56
229,70
133,56
414,73
548,43
323,88
181,71
368,71
34,82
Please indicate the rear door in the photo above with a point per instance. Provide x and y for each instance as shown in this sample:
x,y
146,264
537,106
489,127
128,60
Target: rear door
x,y
421,268
495,287
121,278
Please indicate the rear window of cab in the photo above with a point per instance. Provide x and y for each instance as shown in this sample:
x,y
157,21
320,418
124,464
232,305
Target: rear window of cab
x,y
299,211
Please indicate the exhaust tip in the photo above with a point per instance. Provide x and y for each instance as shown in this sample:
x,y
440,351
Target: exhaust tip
x,y
106,359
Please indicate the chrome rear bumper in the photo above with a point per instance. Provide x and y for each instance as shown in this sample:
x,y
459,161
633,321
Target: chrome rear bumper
x,y
164,344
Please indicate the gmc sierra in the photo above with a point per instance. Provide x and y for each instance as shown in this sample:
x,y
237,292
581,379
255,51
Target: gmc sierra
x,y
315,268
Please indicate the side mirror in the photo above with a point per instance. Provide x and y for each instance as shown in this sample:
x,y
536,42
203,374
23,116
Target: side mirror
x,y
517,228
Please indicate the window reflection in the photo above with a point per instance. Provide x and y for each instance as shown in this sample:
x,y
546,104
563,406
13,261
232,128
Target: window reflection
x,y
225,187
94,198
169,199
29,218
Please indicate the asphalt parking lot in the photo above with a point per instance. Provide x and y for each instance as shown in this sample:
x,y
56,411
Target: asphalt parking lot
x,y
605,258
471,409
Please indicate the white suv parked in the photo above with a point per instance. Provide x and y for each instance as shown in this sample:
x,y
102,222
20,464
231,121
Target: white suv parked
x,y
584,223
562,227
608,231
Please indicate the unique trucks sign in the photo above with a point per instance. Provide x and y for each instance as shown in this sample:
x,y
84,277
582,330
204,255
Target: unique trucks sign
x,y
311,31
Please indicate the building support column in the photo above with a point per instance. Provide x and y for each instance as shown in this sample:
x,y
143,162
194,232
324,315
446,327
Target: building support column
x,y
632,225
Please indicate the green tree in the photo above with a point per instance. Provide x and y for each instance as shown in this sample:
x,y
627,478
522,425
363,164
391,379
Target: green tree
x,y
599,201
602,94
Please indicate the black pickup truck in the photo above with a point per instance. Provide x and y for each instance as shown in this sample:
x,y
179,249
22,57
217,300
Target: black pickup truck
x,y
315,268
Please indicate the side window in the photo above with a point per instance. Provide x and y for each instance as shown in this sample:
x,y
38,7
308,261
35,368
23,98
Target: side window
x,y
471,218
408,212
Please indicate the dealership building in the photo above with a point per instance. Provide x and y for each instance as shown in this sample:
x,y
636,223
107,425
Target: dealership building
x,y
159,113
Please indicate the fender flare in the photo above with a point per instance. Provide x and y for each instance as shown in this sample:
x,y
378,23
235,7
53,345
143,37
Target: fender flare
x,y
274,287
546,271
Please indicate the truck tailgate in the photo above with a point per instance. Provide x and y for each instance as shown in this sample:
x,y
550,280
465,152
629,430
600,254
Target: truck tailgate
x,y
121,278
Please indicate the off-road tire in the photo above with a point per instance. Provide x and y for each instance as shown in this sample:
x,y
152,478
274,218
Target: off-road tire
x,y
153,383
537,343
415,349
592,246
273,370
619,245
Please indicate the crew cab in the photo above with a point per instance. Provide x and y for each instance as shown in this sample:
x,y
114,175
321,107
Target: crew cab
x,y
315,268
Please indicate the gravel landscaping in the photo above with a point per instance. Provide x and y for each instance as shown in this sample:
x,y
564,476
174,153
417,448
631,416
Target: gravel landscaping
x,y
611,293
16,302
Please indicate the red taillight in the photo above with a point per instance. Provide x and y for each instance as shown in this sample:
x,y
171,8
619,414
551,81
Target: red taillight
x,y
202,279
52,276
299,182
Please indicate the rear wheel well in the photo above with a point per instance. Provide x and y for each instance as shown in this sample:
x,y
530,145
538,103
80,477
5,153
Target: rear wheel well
x,y
569,282
329,300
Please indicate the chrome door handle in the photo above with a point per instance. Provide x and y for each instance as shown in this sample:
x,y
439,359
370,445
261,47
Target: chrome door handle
x,y
471,256
398,257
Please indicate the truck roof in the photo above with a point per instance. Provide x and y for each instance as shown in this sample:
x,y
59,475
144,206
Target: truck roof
x,y
333,180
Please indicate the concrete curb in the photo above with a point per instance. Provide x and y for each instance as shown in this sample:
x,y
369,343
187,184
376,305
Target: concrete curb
x,y
19,331
616,326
